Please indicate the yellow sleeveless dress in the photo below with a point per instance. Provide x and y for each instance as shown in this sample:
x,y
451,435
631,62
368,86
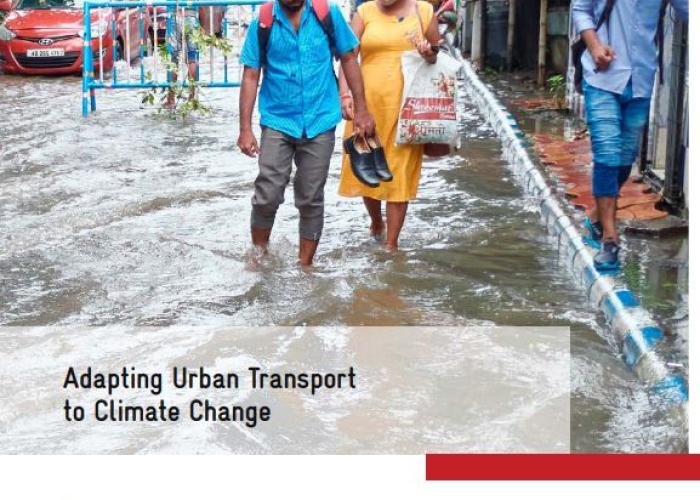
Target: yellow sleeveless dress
x,y
384,39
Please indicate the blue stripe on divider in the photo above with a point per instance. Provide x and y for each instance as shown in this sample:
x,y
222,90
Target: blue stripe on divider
x,y
627,298
638,351
631,348
673,388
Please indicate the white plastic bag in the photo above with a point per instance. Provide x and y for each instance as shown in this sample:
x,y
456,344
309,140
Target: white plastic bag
x,y
429,106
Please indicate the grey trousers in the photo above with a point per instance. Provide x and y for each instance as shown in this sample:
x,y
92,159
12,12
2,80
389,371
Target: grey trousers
x,y
312,158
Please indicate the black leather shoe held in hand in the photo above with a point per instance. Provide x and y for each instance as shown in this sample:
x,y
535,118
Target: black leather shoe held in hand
x,y
380,164
361,160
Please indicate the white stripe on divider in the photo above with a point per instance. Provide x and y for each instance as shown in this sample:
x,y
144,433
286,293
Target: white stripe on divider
x,y
633,326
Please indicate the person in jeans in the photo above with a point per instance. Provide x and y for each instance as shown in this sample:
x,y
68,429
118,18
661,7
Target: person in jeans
x,y
619,69
299,109
186,24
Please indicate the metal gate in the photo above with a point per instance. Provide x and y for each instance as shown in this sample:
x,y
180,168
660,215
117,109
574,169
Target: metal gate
x,y
118,33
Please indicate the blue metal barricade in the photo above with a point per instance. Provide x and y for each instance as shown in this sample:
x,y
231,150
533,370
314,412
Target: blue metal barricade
x,y
115,32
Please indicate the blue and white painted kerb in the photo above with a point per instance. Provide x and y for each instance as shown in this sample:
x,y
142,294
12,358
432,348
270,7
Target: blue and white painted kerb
x,y
635,330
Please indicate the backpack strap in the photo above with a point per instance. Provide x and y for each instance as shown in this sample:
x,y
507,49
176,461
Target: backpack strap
x,y
322,12
265,21
605,16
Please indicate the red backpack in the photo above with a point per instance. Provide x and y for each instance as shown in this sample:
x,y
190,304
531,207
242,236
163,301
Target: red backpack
x,y
267,19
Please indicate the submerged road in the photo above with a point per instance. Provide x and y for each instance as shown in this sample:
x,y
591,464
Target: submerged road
x,y
133,218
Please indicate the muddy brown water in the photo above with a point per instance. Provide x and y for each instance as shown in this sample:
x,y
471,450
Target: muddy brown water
x,y
132,218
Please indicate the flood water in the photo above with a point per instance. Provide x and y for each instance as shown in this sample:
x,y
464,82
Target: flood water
x,y
129,217
655,268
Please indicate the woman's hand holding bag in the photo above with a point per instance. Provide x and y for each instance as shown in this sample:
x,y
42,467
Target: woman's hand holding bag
x,y
429,111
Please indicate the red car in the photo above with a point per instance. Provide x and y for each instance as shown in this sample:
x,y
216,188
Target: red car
x,y
6,6
45,37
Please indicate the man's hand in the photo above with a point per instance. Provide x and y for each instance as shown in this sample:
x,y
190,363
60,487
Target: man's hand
x,y
602,55
248,143
363,123
361,118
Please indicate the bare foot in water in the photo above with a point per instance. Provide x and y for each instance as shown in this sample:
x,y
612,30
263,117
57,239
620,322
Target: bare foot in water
x,y
377,230
256,257
169,101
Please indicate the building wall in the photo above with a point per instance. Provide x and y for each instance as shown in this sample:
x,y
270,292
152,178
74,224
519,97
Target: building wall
x,y
668,142
527,27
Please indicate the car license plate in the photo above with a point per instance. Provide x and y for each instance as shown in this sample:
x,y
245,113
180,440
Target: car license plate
x,y
45,52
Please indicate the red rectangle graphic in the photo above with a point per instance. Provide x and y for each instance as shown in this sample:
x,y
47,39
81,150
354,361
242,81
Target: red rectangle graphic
x,y
558,467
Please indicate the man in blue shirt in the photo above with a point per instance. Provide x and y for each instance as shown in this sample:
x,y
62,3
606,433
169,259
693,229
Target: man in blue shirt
x,y
299,109
619,69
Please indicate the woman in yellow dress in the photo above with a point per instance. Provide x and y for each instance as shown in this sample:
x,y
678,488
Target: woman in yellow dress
x,y
387,29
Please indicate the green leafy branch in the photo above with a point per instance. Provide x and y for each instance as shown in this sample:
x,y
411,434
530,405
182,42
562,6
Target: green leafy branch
x,y
184,95
556,86
204,40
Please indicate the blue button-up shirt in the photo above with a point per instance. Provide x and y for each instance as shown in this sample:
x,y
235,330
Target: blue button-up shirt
x,y
631,32
299,91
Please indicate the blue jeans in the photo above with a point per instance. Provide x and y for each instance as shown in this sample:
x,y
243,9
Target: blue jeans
x,y
190,24
615,122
